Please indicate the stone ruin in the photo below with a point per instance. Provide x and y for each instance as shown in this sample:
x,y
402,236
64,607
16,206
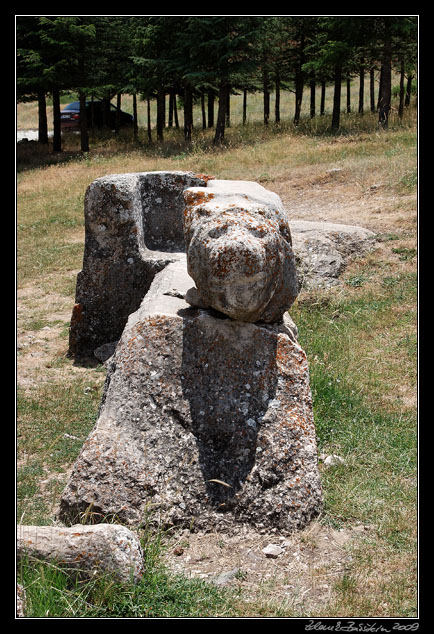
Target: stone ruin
x,y
206,416
133,230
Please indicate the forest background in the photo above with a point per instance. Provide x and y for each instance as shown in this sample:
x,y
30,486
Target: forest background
x,y
205,59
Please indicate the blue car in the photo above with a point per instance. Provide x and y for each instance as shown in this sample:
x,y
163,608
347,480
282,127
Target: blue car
x,y
70,116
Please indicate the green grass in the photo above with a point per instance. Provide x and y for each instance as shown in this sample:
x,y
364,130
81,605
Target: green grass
x,y
344,337
54,422
58,593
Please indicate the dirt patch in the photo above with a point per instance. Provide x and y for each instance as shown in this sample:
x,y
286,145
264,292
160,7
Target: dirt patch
x,y
42,338
301,574
334,196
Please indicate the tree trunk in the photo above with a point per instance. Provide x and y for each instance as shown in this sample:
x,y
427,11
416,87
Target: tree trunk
x,y
221,114
148,107
135,123
266,106
244,106
372,88
401,92
337,98
323,92
211,98
361,88
92,113
42,118
408,91
170,120
386,82
380,87
299,80
277,100
312,98
118,112
84,134
202,103
57,136
266,97
228,108
188,112
161,113
348,95
175,110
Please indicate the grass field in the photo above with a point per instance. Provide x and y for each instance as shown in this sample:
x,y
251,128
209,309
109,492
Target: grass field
x,y
360,339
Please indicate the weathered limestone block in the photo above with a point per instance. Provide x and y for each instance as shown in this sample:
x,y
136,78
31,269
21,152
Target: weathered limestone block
x,y
205,422
323,250
239,251
134,228
103,548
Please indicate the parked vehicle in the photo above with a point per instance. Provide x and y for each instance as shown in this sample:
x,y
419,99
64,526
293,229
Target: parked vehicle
x,y
70,116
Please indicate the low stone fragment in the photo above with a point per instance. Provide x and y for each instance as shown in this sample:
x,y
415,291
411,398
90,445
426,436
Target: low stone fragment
x,y
225,577
272,551
104,352
333,460
100,548
324,249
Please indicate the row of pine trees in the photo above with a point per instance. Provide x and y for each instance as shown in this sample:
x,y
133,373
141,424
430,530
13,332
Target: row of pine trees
x,y
182,60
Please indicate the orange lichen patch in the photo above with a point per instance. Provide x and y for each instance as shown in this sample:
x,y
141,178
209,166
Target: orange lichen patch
x,y
198,197
77,313
205,177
